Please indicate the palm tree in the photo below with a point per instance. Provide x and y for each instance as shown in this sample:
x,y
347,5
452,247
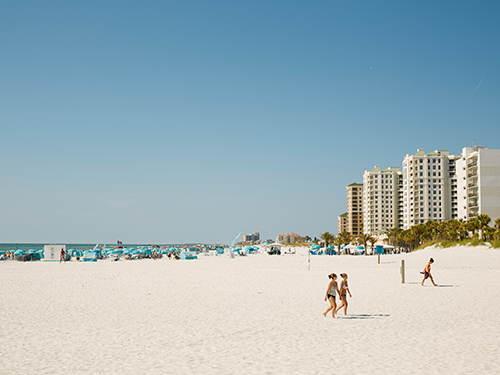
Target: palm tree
x,y
392,235
473,225
488,233
462,229
346,238
484,220
338,241
497,223
372,240
364,239
417,231
327,237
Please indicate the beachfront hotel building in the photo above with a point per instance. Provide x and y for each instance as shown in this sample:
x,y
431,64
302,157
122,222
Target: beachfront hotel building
x,y
342,223
291,238
251,237
478,177
355,209
382,199
429,187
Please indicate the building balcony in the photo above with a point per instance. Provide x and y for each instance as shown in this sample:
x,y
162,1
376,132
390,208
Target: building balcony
x,y
472,163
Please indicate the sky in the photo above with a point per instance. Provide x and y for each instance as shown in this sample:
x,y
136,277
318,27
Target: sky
x,y
173,122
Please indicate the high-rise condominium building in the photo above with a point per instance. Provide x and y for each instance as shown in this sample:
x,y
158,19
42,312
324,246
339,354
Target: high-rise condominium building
x,y
382,199
478,175
429,187
342,223
355,209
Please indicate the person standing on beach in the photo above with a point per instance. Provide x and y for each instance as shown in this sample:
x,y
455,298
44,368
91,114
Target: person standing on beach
x,y
427,272
331,294
62,256
344,289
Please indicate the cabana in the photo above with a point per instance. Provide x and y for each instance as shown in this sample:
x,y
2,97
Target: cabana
x,y
349,247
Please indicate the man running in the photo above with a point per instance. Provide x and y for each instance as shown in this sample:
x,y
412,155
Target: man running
x,y
427,272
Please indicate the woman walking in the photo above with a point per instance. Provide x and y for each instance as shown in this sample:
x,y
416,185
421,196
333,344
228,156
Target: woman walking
x,y
331,294
344,289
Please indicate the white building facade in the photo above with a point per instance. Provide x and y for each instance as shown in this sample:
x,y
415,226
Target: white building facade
x,y
429,187
434,186
382,199
478,172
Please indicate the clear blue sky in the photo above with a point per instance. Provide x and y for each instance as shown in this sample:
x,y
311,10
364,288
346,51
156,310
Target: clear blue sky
x,y
186,121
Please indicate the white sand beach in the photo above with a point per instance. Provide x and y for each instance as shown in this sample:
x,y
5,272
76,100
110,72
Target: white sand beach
x,y
258,314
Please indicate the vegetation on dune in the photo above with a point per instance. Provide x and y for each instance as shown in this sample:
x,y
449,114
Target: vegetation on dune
x,y
473,232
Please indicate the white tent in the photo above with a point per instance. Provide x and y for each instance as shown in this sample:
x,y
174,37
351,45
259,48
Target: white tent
x,y
350,247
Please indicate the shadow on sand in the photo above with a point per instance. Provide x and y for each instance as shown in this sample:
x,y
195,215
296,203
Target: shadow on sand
x,y
363,316
445,286
429,285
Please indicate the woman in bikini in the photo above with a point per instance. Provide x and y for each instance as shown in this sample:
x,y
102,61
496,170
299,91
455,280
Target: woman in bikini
x,y
331,294
344,289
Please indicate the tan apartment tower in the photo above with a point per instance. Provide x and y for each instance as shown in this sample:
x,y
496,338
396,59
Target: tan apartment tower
x,y
342,223
355,209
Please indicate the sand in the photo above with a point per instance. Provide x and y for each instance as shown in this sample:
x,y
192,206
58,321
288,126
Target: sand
x,y
252,315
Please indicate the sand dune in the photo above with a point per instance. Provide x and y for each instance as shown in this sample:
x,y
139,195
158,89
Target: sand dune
x,y
252,315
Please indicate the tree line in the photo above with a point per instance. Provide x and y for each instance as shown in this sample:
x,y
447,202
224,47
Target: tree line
x,y
450,231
